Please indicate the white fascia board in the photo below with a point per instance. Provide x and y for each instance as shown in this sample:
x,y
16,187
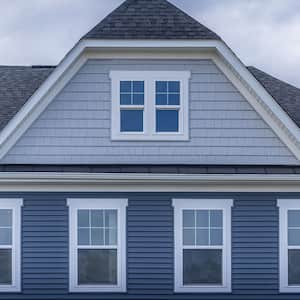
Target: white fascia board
x,y
271,111
84,182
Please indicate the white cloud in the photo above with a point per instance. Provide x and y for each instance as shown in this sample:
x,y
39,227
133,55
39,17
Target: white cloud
x,y
262,33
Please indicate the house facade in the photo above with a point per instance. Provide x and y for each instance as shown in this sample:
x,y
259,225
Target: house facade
x,y
151,163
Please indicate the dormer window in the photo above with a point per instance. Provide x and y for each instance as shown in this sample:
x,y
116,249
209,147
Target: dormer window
x,y
149,105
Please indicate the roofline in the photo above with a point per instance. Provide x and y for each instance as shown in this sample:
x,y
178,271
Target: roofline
x,y
127,182
263,102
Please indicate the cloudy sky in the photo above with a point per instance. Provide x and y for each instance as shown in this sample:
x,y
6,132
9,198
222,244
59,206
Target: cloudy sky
x,y
265,33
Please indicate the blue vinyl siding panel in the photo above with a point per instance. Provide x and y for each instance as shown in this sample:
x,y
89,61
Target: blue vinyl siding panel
x,y
150,239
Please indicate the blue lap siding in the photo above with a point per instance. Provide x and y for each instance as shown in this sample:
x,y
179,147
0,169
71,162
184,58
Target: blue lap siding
x,y
150,254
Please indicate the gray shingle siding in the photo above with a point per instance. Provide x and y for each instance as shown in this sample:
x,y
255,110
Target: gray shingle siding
x,y
75,128
150,254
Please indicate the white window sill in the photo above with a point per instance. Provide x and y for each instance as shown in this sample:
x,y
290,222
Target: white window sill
x,y
202,289
98,289
155,137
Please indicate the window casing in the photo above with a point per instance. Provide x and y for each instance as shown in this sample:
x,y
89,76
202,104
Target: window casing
x,y
150,105
289,234
10,245
97,245
202,245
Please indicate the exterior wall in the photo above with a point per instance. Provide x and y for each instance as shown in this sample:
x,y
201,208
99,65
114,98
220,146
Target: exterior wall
x,y
150,251
75,128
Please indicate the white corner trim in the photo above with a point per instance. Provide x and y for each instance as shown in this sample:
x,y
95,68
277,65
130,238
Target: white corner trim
x,y
258,97
202,203
97,203
284,206
15,205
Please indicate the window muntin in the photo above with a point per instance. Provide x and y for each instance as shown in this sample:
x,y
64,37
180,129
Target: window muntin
x,y
150,105
97,245
202,245
167,105
10,252
132,106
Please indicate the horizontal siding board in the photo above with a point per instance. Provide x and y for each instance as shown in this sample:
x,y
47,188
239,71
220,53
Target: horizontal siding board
x,y
75,127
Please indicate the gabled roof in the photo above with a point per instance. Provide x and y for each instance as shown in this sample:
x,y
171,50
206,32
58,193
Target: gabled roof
x,y
150,19
287,95
17,85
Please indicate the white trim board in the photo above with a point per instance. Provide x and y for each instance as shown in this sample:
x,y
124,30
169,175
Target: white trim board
x,y
83,182
225,59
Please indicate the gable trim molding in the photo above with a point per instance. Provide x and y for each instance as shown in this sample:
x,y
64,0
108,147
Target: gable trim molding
x,y
225,59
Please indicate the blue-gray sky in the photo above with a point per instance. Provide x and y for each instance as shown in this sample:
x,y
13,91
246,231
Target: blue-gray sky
x,y
265,33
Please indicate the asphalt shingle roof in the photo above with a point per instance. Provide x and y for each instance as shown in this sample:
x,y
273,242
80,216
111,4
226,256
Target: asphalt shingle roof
x,y
287,95
17,85
149,19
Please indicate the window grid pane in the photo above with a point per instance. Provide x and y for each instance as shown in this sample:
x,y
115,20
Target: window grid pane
x,y
132,93
206,226
101,223
5,227
293,228
167,92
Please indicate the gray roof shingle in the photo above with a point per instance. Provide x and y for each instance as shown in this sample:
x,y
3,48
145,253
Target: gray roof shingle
x,y
17,85
286,95
149,19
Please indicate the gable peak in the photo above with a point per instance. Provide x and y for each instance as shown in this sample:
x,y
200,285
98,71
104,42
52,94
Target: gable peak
x,y
150,19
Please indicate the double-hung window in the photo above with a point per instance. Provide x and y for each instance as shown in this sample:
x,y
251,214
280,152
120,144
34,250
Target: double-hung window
x,y
97,245
150,105
202,245
10,245
289,219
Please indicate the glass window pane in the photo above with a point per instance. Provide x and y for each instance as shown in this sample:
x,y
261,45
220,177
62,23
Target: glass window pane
x,y
97,267
125,99
132,120
111,237
167,121
111,218
5,266
202,237
5,236
161,87
202,267
189,237
216,237
138,99
97,218
174,86
216,218
138,86
174,99
97,235
189,218
83,236
5,217
294,237
294,267
202,218
161,99
83,218
294,218
125,87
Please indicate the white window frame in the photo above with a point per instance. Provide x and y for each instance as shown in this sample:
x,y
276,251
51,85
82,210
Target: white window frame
x,y
207,204
149,78
15,205
115,204
284,206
